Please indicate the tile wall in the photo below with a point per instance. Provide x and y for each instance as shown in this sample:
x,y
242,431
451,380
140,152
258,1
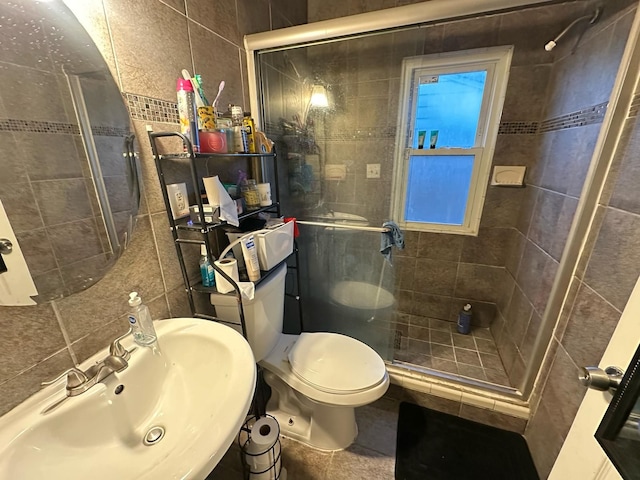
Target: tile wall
x,y
557,166
607,272
506,272
146,44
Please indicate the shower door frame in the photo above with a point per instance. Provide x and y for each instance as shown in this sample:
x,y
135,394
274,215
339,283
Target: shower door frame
x,y
440,10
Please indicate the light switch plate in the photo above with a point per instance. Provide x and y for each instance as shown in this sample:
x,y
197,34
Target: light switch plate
x,y
508,176
373,170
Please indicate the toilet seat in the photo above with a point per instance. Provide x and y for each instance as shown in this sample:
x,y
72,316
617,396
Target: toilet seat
x,y
277,362
335,363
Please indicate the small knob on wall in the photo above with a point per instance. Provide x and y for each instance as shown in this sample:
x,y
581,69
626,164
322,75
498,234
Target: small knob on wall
x,y
5,246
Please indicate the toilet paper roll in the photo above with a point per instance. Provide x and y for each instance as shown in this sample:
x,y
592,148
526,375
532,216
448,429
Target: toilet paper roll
x,y
230,267
263,450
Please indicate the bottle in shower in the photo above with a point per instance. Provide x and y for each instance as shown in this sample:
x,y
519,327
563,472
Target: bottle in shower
x,y
144,334
464,320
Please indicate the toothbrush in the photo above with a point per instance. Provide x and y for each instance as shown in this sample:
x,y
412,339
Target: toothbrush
x,y
196,88
220,88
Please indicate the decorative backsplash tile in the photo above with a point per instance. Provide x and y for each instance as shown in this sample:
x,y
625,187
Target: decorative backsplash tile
x,y
518,128
151,109
37,126
586,116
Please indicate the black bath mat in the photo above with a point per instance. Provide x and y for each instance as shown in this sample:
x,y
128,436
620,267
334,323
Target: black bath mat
x,y
436,446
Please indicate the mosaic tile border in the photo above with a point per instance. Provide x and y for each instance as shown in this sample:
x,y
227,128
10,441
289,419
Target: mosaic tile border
x,y
586,116
111,131
635,106
518,128
162,111
151,109
36,126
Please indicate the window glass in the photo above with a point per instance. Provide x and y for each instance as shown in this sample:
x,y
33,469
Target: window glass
x,y
457,127
438,188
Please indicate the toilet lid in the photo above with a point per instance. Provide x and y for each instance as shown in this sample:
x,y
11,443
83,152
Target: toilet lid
x,y
336,363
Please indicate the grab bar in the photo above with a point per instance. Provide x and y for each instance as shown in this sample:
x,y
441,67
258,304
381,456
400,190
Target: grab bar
x,y
343,226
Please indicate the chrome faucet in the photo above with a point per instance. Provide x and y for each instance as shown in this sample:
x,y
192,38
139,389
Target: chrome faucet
x,y
79,382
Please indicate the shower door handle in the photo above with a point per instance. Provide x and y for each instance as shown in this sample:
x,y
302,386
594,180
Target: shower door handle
x,y
603,380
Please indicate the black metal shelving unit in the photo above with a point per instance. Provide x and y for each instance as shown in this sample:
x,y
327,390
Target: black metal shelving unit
x,y
204,228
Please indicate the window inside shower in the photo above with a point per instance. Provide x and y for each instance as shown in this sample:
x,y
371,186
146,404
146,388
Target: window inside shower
x,y
450,105
337,167
404,309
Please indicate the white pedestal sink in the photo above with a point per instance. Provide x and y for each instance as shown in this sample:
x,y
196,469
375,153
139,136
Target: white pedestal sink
x,y
198,389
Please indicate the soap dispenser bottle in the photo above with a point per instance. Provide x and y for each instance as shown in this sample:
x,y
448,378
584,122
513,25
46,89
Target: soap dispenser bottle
x,y
140,320
206,269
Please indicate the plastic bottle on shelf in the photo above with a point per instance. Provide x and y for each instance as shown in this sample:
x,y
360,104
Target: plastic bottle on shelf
x,y
251,194
144,333
187,112
240,141
206,269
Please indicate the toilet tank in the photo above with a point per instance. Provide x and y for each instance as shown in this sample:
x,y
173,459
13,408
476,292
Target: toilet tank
x,y
263,315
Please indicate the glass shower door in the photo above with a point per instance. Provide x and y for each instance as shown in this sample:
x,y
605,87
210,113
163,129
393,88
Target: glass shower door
x,y
347,285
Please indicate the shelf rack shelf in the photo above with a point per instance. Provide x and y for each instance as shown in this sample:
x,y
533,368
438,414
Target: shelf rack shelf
x,y
204,228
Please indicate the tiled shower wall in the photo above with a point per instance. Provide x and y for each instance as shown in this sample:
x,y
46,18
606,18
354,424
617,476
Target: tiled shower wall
x,y
146,44
576,97
437,273
607,272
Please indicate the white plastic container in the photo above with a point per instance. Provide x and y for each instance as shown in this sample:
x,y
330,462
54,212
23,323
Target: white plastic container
x,y
274,246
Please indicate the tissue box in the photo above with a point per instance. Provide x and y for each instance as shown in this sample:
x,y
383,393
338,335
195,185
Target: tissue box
x,y
274,246
211,213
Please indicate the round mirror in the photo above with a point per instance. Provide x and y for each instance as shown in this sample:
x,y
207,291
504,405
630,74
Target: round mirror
x,y
68,177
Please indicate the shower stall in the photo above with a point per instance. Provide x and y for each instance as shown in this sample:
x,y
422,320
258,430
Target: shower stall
x,y
329,94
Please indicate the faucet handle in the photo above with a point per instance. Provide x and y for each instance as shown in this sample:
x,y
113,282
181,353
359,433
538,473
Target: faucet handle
x,y
75,378
117,350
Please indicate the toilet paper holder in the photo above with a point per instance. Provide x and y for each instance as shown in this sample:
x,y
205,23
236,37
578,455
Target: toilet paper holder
x,y
261,451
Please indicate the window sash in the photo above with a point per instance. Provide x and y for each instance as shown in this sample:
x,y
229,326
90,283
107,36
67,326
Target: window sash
x,y
466,224
420,72
493,100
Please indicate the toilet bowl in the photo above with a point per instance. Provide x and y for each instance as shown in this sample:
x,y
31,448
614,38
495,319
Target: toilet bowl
x,y
317,379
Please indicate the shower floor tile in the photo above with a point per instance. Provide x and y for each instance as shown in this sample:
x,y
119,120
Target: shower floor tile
x,y
435,344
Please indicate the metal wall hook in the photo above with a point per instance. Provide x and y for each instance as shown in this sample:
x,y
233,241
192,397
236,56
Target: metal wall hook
x,y
603,380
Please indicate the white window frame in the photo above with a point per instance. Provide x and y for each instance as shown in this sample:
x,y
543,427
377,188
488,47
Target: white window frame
x,y
496,60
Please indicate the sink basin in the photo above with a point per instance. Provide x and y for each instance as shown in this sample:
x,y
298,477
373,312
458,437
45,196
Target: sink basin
x,y
198,388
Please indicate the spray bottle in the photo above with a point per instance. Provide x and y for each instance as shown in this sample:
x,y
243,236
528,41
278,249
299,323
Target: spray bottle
x,y
187,112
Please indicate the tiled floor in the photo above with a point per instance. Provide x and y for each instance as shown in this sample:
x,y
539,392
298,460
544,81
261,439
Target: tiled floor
x,y
435,344
372,456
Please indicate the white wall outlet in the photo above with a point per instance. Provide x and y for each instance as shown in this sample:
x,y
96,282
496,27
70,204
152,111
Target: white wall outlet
x,y
373,170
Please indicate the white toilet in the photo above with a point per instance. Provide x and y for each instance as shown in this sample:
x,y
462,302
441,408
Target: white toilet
x,y
317,379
